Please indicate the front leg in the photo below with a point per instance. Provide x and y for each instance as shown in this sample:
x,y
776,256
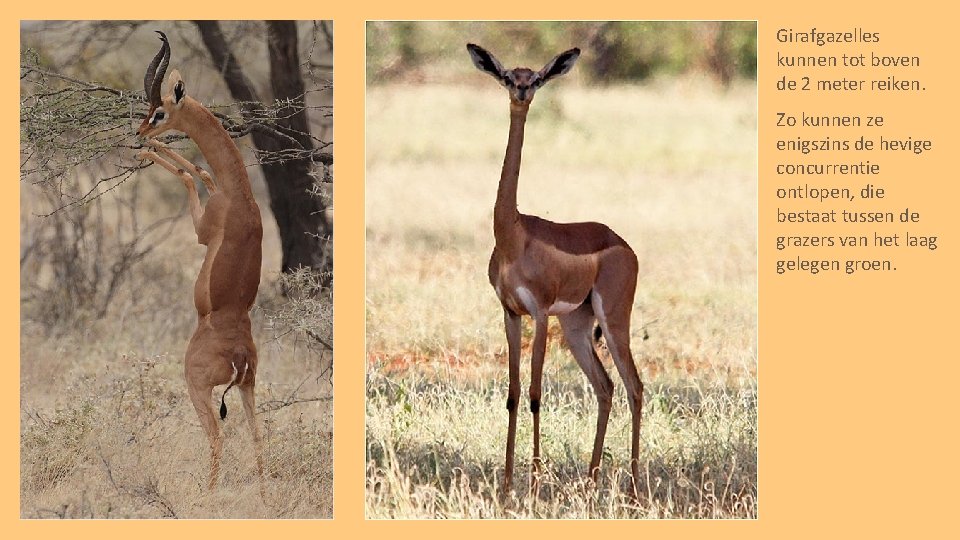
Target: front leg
x,y
512,327
196,211
203,175
536,386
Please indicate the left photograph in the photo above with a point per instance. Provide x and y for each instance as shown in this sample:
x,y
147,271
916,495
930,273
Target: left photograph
x,y
176,269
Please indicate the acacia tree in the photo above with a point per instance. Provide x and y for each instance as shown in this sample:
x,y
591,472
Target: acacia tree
x,y
296,164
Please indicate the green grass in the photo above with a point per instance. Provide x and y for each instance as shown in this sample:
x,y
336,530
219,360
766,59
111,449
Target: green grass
x,y
672,169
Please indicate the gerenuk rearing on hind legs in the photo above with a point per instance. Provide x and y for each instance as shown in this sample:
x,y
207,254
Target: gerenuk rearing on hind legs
x,y
221,350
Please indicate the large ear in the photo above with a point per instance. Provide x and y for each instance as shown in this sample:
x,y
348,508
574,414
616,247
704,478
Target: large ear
x,y
177,88
560,64
485,61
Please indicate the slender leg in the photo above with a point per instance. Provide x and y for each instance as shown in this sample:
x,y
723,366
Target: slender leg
x,y
200,395
536,390
612,300
249,407
196,211
577,330
512,325
203,175
628,372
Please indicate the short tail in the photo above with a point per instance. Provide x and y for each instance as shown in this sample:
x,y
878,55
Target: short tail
x,y
239,359
598,333
223,404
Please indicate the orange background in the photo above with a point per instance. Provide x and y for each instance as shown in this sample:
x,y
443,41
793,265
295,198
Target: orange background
x,y
857,382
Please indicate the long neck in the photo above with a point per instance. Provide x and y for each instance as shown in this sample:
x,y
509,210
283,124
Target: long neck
x,y
218,149
506,218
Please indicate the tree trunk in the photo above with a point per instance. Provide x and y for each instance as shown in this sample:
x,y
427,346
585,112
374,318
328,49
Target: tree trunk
x,y
304,231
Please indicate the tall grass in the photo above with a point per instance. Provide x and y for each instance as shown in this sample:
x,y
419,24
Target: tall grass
x,y
106,427
672,169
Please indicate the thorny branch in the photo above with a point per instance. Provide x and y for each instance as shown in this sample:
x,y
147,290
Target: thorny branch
x,y
308,310
67,123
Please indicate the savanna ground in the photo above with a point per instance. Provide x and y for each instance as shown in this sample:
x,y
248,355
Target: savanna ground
x,y
106,427
672,168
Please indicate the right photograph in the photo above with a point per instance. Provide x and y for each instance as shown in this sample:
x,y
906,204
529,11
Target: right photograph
x,y
574,337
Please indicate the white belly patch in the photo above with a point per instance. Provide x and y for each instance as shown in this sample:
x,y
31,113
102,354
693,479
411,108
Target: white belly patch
x,y
561,308
526,298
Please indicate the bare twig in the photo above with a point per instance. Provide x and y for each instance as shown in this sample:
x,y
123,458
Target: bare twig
x,y
291,399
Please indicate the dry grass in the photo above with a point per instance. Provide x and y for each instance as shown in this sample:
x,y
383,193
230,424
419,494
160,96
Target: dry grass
x,y
672,169
107,430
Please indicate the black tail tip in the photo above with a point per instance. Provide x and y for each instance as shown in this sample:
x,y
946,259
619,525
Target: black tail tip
x,y
223,410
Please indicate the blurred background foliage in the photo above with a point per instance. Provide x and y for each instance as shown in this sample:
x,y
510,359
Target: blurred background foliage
x,y
613,52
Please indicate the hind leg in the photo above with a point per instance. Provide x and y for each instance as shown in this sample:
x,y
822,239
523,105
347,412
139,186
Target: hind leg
x,y
204,368
200,395
577,330
249,408
612,300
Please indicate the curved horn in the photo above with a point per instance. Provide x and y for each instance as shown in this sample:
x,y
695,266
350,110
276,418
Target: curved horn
x,y
153,79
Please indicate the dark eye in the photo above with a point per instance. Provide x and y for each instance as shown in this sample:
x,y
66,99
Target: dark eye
x,y
157,116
